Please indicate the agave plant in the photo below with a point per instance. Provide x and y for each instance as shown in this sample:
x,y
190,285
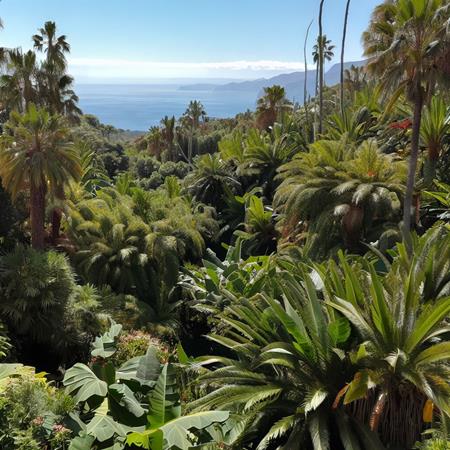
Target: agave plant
x,y
337,192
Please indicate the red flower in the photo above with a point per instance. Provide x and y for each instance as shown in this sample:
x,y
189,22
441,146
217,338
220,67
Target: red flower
x,y
402,125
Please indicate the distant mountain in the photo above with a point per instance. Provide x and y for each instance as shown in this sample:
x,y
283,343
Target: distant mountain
x,y
292,82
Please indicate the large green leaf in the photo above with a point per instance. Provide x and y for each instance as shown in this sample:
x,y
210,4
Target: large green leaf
x,y
124,407
105,346
149,367
7,370
83,384
149,439
164,399
104,427
176,432
82,442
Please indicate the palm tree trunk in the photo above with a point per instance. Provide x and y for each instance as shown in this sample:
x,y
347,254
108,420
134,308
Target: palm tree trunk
x,y
344,36
37,215
320,69
316,102
305,87
57,214
407,211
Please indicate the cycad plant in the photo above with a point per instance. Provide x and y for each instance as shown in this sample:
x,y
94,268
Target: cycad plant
x,y
434,127
337,193
259,234
402,323
259,154
210,179
287,367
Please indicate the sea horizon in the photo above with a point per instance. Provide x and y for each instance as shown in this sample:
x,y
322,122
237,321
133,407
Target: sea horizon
x,y
138,106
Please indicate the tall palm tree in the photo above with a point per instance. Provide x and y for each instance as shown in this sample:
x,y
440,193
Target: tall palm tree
x,y
55,83
194,113
404,41
322,50
36,156
191,121
168,134
344,35
321,63
55,47
328,54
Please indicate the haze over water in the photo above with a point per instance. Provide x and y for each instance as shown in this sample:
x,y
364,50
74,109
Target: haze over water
x,y
139,106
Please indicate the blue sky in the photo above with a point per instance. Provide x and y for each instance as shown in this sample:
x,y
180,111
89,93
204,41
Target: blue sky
x,y
143,40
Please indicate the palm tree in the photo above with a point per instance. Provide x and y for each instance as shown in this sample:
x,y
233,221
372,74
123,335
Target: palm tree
x,y
36,156
194,113
54,47
110,244
344,35
55,84
271,105
18,86
168,134
328,54
404,41
155,142
321,61
322,50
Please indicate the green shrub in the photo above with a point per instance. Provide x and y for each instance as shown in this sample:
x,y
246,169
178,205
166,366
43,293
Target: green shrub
x,y
31,413
35,287
135,343
435,443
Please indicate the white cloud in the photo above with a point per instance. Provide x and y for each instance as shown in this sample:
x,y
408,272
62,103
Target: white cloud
x,y
114,68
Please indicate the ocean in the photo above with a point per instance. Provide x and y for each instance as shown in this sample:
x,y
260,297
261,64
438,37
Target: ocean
x,y
139,106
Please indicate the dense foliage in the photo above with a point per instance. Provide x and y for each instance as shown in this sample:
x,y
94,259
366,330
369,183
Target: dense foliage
x,y
276,280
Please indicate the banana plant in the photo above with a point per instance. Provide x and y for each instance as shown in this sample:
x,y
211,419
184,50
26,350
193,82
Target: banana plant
x,y
136,405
